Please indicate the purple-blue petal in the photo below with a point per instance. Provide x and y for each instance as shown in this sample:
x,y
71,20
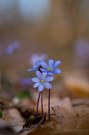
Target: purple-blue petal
x,y
38,74
36,84
41,87
49,79
30,69
44,74
57,71
35,79
50,73
38,63
51,62
44,65
47,85
44,70
57,63
34,67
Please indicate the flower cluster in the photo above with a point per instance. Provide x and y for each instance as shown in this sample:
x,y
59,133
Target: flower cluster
x,y
44,73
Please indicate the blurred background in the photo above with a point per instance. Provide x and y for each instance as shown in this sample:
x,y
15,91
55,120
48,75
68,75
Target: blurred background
x,y
44,29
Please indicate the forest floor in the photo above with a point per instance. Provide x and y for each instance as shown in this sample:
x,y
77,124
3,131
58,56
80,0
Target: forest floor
x,y
68,117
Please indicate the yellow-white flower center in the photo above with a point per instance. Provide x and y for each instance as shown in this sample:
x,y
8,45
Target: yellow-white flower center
x,y
42,81
50,68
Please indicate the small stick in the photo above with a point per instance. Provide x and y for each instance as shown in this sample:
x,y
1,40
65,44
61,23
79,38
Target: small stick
x,y
42,102
38,103
49,105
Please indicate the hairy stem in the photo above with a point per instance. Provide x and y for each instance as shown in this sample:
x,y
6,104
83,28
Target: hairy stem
x,y
42,101
38,103
49,105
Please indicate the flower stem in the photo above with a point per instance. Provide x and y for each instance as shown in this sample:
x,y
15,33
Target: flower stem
x,y
49,105
42,102
38,103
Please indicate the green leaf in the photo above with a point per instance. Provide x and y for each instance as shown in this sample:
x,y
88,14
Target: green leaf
x,y
23,94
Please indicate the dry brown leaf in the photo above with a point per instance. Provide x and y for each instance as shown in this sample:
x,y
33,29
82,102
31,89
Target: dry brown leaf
x,y
77,86
64,112
13,117
5,128
66,104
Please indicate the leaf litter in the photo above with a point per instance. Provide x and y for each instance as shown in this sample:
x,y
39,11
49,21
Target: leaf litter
x,y
67,117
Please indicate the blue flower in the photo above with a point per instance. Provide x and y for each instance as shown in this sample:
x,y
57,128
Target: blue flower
x,y
36,57
25,82
12,47
36,66
51,67
42,81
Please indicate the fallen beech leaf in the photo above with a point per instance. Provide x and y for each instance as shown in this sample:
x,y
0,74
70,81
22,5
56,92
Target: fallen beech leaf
x,y
65,118
64,113
14,119
78,86
5,129
66,104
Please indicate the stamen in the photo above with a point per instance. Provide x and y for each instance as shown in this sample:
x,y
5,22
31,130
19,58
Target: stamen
x,y
42,81
50,68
